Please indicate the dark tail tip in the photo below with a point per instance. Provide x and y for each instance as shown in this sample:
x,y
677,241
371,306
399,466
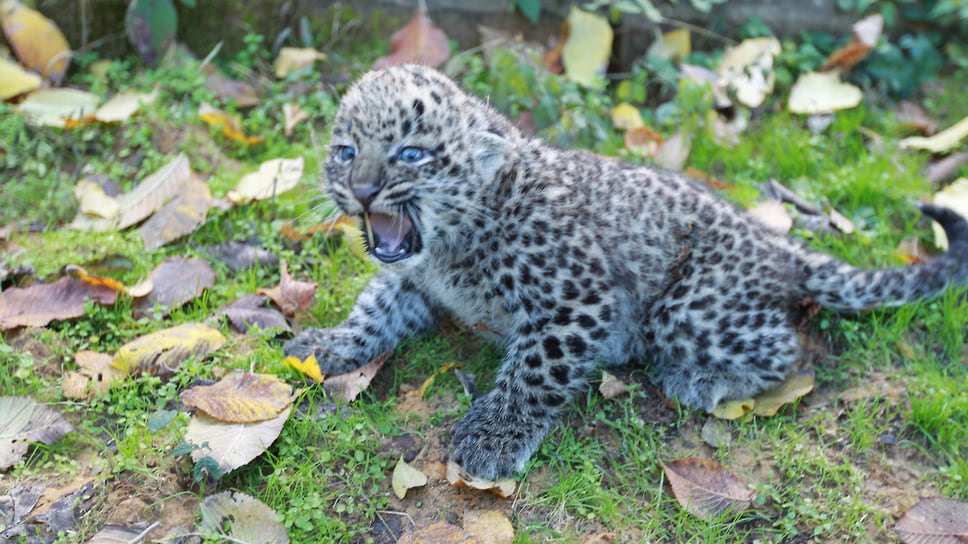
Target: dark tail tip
x,y
954,224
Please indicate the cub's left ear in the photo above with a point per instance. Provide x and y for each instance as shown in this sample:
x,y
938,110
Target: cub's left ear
x,y
492,150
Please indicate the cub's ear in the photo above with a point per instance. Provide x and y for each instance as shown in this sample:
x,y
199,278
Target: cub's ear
x,y
492,150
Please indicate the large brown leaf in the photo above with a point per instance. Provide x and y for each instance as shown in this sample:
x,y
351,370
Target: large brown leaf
x,y
24,420
419,41
180,216
39,304
176,280
706,489
934,521
290,295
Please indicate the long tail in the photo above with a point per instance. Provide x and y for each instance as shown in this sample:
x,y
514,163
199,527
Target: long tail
x,y
844,287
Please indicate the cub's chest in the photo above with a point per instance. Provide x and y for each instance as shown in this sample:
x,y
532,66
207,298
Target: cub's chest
x,y
468,291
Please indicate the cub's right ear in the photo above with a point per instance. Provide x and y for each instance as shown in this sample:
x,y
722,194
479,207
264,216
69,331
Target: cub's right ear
x,y
492,150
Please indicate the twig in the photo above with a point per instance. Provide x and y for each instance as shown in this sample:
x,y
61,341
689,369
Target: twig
x,y
144,533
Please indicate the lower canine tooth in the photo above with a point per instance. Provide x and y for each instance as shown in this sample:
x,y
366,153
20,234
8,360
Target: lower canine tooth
x,y
369,232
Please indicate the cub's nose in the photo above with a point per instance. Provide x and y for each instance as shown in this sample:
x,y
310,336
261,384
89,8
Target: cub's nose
x,y
365,194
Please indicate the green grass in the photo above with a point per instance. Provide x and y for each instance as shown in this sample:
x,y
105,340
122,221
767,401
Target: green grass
x,y
327,475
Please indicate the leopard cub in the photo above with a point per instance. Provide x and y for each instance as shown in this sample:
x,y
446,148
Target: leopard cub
x,y
573,259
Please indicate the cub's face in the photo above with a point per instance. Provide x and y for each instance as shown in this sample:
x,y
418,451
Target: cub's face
x,y
411,159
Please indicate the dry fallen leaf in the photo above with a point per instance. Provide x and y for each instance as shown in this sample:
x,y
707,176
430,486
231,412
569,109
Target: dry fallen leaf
x,y
911,250
23,421
309,367
611,386
14,80
248,311
37,41
821,92
57,107
180,216
94,377
954,196
673,152
934,520
240,397
290,295
420,41
748,69
348,386
406,477
39,304
232,445
795,386
436,532
946,168
231,125
912,116
226,88
773,214
119,534
941,142
625,116
489,526
706,489
644,141
589,45
866,32
457,476
293,115
175,281
123,105
161,353
291,59
674,45
232,516
273,178
92,200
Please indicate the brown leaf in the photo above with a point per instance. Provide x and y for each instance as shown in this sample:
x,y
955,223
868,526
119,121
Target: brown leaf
x,y
706,489
912,116
290,295
39,304
934,521
643,140
240,397
437,532
611,386
229,89
488,526
24,420
293,115
348,386
180,216
419,41
865,35
946,169
176,280
911,250
36,40
247,311
94,377
674,152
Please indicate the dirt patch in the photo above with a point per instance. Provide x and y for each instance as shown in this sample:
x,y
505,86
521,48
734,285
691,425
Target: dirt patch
x,y
133,500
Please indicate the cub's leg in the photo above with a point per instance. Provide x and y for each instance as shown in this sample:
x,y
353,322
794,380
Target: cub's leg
x,y
389,310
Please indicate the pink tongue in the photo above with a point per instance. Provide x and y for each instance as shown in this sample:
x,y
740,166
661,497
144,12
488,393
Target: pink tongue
x,y
390,229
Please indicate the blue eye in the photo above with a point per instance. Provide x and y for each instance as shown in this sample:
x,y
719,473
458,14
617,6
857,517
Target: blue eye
x,y
345,153
411,155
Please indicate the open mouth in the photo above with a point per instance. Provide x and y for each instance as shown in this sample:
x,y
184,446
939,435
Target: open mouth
x,y
390,238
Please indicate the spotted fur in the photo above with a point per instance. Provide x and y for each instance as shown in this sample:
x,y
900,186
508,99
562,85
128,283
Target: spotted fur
x,y
573,259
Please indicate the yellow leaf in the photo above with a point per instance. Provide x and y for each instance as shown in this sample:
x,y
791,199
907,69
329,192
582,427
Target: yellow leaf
x,y
240,397
429,381
273,178
940,142
14,80
36,40
733,409
821,92
794,387
309,367
291,59
231,124
625,116
457,476
588,48
491,526
123,105
57,107
748,69
162,352
179,216
674,45
406,477
91,200
954,196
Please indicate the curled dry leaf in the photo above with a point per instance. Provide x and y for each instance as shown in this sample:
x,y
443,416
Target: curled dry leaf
x,y
821,92
14,80
934,521
37,41
227,88
179,216
406,477
911,250
162,352
232,516
865,35
39,304
748,69
489,526
94,377
459,477
954,196
273,178
706,489
23,421
293,115
588,47
175,281
240,397
290,295
611,386
232,445
941,142
291,59
420,41
240,256
946,168
231,125
436,532
348,386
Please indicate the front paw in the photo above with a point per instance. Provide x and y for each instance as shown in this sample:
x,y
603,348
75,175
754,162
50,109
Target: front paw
x,y
494,441
325,346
